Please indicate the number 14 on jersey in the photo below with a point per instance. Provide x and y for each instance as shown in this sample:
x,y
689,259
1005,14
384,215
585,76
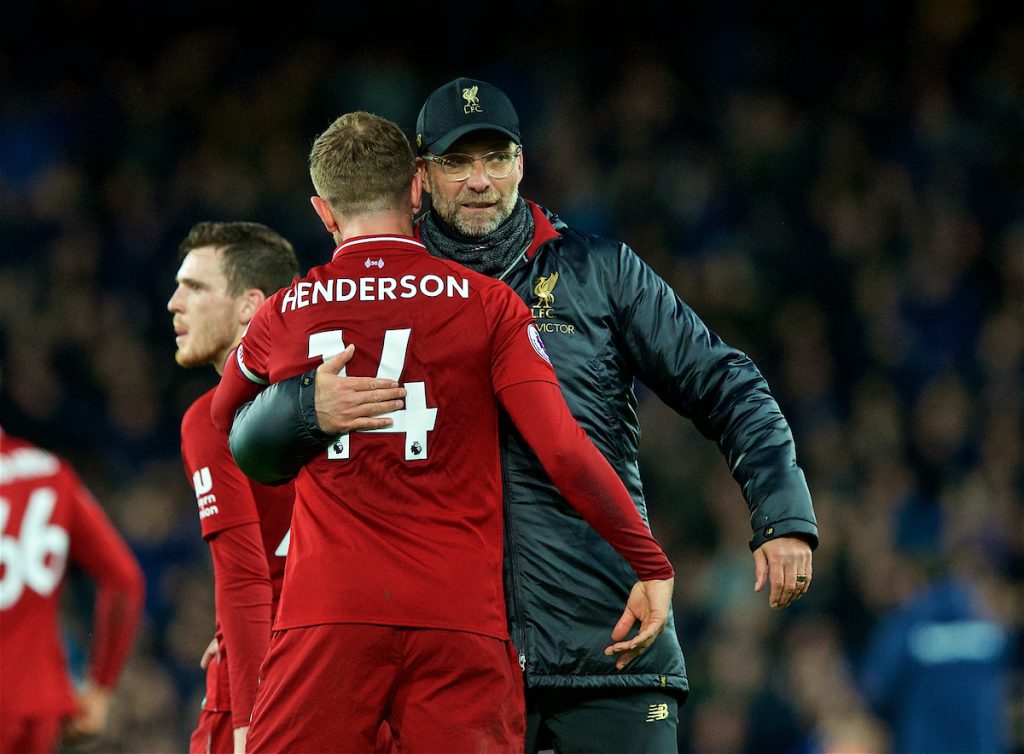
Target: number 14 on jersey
x,y
415,421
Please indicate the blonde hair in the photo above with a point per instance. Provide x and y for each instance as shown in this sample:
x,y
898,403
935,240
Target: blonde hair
x,y
362,163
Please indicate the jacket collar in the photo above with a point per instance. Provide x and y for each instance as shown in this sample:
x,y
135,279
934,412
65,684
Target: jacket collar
x,y
543,229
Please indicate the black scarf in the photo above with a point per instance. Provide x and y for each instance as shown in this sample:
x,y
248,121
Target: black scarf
x,y
491,254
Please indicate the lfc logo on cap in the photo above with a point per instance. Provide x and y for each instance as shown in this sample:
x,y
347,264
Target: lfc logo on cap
x,y
472,101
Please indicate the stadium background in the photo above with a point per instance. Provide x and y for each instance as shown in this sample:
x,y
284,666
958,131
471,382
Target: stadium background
x,y
838,190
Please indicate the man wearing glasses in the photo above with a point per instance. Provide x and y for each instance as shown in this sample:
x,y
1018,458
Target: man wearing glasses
x,y
392,607
606,319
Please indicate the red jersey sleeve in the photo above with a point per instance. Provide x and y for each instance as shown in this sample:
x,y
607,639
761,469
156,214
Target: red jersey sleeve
x,y
230,521
517,351
223,494
103,554
244,599
583,475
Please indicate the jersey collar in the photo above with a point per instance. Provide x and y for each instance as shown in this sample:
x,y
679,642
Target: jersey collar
x,y
372,243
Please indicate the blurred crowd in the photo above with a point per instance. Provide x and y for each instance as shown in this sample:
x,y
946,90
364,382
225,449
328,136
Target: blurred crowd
x,y
839,193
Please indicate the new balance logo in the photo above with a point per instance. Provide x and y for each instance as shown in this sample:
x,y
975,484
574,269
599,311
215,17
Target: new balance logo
x,y
657,712
374,263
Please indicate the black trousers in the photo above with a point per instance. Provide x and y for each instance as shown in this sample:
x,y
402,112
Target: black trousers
x,y
601,721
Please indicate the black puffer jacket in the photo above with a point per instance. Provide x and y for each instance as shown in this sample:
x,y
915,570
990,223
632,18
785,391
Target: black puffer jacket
x,y
606,318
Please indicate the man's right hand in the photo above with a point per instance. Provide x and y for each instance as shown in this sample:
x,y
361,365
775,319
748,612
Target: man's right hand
x,y
649,602
349,404
90,719
211,651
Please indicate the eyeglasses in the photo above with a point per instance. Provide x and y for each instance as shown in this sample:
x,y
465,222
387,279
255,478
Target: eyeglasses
x,y
457,166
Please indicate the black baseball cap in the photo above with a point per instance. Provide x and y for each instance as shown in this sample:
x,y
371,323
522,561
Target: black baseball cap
x,y
459,107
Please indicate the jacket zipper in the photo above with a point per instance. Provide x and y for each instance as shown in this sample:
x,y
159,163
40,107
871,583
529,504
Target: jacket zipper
x,y
519,637
508,269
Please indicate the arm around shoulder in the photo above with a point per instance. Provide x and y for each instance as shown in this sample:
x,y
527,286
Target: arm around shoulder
x,y
280,431
276,434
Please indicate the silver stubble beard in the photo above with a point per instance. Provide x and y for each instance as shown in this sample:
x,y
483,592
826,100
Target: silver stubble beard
x,y
449,212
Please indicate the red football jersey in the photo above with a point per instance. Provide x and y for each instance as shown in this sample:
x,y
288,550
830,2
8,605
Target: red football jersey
x,y
227,499
225,496
401,526
47,517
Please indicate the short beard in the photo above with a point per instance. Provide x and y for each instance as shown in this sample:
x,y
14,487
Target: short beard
x,y
448,211
188,361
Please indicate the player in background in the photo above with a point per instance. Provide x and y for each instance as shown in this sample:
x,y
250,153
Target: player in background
x,y
393,606
47,519
227,270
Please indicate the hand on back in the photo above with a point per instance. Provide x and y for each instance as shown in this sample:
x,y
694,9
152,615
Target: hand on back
x,y
350,404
